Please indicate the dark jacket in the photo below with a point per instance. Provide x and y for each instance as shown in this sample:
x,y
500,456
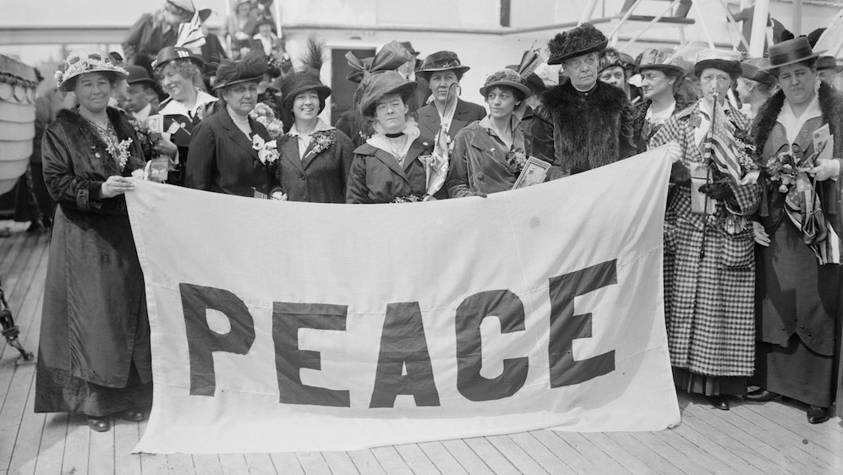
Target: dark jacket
x,y
355,126
465,113
222,159
375,176
174,112
642,137
94,324
145,38
579,131
317,178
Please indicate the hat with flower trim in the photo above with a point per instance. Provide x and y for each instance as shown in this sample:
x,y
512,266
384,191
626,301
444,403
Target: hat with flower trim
x,y
86,61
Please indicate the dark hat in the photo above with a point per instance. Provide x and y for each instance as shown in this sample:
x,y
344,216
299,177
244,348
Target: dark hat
x,y
138,75
610,58
442,61
187,8
581,40
752,69
828,62
173,53
377,85
409,47
790,52
814,36
265,20
726,61
659,59
356,75
248,69
505,77
299,82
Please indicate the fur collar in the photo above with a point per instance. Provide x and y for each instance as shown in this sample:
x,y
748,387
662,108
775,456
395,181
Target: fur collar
x,y
77,125
831,105
606,96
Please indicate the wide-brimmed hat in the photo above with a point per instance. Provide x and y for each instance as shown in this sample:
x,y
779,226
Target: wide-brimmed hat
x,y
409,47
581,40
248,69
377,85
299,82
508,78
189,8
753,69
442,61
174,53
726,61
828,62
790,52
86,61
660,59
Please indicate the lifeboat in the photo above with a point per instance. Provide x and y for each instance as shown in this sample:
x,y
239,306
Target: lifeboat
x,y
17,119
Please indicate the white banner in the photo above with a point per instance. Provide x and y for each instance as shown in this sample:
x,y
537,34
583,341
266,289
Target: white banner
x,y
280,326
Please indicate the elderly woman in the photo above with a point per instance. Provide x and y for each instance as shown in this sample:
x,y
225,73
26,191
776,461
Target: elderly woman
x,y
799,281
94,353
180,74
709,315
231,152
387,168
315,157
489,155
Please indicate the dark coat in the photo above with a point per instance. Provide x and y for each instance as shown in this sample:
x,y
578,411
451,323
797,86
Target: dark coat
x,y
184,134
639,119
222,159
375,176
319,178
94,323
579,131
146,38
464,114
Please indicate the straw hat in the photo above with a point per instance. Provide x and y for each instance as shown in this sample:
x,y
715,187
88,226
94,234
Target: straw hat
x,y
726,61
790,52
508,78
659,59
86,61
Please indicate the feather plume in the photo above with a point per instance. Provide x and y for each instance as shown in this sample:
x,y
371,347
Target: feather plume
x,y
312,59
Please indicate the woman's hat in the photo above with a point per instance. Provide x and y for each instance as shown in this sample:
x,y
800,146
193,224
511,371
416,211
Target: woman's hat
x,y
610,58
754,70
790,52
581,40
86,61
828,62
188,9
173,53
248,69
299,82
442,61
726,61
377,85
139,75
505,77
659,59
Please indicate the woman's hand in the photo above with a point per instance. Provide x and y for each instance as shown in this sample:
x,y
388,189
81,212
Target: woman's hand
x,y
116,185
826,168
165,147
674,151
760,234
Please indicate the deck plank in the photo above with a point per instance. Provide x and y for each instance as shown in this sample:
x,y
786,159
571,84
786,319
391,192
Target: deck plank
x,y
101,455
366,462
126,436
340,463
179,464
313,463
390,460
618,453
286,463
233,464
491,455
466,457
260,464
515,454
207,464
51,448
77,444
416,460
549,461
441,458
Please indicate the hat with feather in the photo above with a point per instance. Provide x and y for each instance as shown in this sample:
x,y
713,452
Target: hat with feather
x,y
581,40
248,69
380,77
306,78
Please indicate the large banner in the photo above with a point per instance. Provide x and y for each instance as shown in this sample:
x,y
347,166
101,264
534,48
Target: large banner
x,y
283,326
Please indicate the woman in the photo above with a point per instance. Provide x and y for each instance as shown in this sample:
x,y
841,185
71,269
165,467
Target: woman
x,y
489,155
388,168
180,74
709,315
754,88
94,354
231,152
660,77
315,157
615,69
799,314
240,27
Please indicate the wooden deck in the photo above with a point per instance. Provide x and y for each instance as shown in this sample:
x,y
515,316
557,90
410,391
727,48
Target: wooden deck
x,y
751,438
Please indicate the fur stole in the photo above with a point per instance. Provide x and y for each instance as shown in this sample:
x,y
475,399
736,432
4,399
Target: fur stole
x,y
79,131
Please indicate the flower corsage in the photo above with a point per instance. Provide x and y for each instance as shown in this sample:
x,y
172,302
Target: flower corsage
x,y
120,152
267,151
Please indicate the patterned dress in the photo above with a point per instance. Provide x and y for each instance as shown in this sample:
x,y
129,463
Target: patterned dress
x,y
710,273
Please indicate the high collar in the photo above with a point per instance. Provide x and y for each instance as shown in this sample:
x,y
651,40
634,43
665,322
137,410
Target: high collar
x,y
321,126
174,107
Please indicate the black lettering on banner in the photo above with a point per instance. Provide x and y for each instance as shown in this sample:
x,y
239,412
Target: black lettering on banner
x,y
403,343
202,342
287,319
565,326
470,314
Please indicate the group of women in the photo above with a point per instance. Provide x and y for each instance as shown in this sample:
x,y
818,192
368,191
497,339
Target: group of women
x,y
723,333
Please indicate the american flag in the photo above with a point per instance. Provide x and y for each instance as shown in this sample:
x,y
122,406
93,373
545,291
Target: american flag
x,y
720,146
190,34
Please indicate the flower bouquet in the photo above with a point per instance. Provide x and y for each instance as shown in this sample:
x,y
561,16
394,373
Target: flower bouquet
x,y
263,114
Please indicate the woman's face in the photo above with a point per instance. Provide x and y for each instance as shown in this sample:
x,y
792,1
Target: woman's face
x,y
582,70
614,76
242,97
744,89
243,9
306,106
176,84
93,91
715,81
655,82
798,82
440,84
391,113
501,102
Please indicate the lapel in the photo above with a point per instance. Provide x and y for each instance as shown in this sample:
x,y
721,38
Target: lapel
x,y
483,141
416,149
429,121
460,119
387,159
290,152
236,135
307,157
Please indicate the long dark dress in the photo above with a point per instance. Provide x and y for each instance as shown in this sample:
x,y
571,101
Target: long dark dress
x,y
798,314
94,352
